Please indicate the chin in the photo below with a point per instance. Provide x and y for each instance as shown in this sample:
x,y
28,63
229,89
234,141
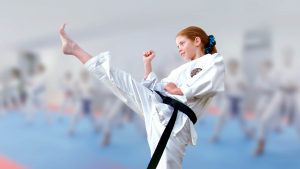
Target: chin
x,y
186,59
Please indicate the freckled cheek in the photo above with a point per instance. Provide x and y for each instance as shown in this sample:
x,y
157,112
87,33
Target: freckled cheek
x,y
187,50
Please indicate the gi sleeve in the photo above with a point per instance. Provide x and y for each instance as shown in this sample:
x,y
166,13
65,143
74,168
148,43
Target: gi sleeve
x,y
153,83
209,81
100,66
150,81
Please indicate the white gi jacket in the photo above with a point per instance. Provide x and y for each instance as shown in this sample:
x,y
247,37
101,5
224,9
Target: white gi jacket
x,y
198,90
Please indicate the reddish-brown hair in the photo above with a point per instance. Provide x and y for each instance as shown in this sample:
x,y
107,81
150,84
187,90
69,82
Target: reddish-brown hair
x,y
192,32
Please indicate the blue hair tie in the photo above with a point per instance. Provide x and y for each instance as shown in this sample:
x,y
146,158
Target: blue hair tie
x,y
211,43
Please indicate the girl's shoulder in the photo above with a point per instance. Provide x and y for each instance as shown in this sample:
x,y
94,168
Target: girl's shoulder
x,y
208,60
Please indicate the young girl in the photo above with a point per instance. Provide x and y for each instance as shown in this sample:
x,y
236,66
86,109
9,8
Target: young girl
x,y
170,107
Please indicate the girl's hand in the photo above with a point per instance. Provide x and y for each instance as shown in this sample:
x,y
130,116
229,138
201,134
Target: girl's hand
x,y
173,89
148,55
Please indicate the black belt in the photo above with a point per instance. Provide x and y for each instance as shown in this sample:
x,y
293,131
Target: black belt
x,y
177,105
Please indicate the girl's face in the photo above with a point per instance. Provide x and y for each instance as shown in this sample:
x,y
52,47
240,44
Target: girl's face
x,y
187,48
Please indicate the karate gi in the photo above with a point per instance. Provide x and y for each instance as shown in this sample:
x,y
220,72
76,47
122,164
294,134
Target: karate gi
x,y
198,92
281,103
265,89
36,96
70,95
232,102
2,112
12,92
84,108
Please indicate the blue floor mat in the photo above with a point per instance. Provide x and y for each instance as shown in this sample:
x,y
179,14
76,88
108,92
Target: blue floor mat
x,y
42,146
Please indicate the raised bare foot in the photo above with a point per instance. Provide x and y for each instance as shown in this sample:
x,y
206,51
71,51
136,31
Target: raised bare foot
x,y
68,45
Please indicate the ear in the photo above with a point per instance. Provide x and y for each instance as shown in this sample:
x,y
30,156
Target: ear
x,y
197,41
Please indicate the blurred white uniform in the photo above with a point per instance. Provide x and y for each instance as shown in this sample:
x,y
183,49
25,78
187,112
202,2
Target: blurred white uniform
x,y
288,87
113,113
2,112
235,92
85,91
282,101
14,95
70,94
36,96
112,109
232,100
297,111
198,91
265,88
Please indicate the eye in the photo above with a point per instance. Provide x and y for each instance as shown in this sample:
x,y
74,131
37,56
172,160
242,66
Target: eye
x,y
181,43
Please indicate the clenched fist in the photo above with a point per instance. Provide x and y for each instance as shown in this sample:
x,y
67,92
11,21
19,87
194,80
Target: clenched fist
x,y
148,55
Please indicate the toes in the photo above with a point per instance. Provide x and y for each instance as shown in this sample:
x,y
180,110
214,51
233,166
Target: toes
x,y
62,29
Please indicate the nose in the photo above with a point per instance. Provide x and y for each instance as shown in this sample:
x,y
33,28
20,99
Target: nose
x,y
179,50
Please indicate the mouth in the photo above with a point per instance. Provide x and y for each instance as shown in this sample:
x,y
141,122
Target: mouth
x,y
181,53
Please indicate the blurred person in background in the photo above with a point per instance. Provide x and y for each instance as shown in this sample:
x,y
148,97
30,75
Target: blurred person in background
x,y
111,110
12,94
36,101
115,115
288,84
282,104
111,113
69,91
296,118
85,102
264,86
189,88
232,100
2,110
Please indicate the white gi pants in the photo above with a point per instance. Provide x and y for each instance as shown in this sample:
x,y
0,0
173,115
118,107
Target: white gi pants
x,y
144,102
271,116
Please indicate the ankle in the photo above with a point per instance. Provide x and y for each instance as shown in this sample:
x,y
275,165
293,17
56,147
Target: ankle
x,y
77,51
82,55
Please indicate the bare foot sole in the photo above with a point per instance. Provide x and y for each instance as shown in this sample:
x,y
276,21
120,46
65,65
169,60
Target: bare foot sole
x,y
68,45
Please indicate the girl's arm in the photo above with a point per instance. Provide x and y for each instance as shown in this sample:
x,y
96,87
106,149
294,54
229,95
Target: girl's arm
x,y
148,56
